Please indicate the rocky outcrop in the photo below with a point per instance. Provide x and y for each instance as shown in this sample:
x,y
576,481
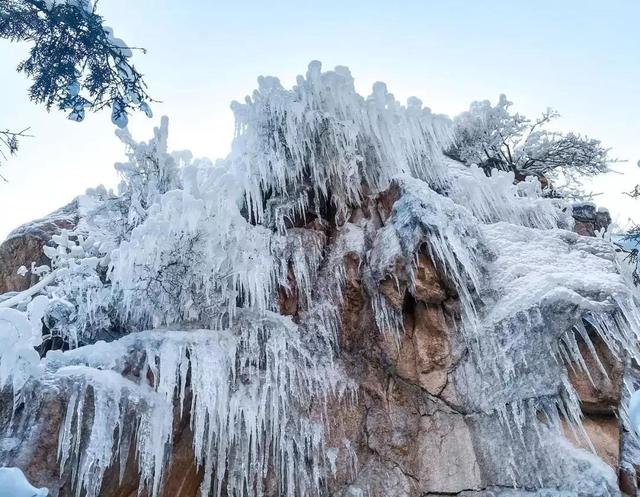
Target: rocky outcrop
x,y
333,310
23,247
600,391
590,220
599,380
409,431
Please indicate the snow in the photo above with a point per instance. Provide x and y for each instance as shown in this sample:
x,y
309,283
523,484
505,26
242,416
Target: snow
x,y
86,5
77,115
18,359
13,483
167,294
634,411
119,115
73,89
333,139
496,198
144,107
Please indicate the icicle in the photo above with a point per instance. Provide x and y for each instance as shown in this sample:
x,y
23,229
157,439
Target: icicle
x,y
192,245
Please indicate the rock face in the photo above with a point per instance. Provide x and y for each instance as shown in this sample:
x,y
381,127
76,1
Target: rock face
x,y
24,247
332,311
599,381
409,432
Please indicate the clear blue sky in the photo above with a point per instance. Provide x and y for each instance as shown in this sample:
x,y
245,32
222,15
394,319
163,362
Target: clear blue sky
x,y
581,57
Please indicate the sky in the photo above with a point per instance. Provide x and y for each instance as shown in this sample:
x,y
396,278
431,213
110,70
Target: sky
x,y
580,57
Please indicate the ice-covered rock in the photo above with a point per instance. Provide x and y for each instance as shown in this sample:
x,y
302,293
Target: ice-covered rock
x,y
23,247
590,220
334,309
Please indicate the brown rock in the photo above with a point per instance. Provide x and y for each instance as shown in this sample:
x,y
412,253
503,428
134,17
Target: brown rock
x,y
428,287
433,348
584,228
628,481
588,220
345,440
386,200
426,353
380,478
288,298
446,456
35,456
393,425
600,394
183,477
629,473
604,435
356,317
24,246
430,443
404,355
394,289
16,252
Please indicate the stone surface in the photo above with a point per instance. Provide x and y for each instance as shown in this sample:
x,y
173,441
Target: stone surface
x,y
584,211
24,246
433,343
600,389
38,461
425,356
181,479
604,436
629,472
446,454
589,220
427,283
403,434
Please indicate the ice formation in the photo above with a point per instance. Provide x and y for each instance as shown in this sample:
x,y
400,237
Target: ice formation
x,y
180,273
13,483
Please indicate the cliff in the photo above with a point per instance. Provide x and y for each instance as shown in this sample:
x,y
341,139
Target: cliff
x,y
335,309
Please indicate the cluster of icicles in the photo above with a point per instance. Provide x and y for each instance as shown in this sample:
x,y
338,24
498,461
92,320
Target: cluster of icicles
x,y
244,384
206,248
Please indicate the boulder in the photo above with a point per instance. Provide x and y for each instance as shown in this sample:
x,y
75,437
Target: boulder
x,y
24,247
589,219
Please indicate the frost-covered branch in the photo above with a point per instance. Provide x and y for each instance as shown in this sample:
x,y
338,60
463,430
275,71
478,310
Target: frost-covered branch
x,y
631,247
635,193
9,143
493,137
29,292
75,61
632,237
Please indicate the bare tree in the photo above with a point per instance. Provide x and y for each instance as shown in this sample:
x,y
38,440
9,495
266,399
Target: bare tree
x,y
494,138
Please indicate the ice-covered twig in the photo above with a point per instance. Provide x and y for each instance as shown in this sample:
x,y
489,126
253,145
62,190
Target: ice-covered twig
x,y
31,291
